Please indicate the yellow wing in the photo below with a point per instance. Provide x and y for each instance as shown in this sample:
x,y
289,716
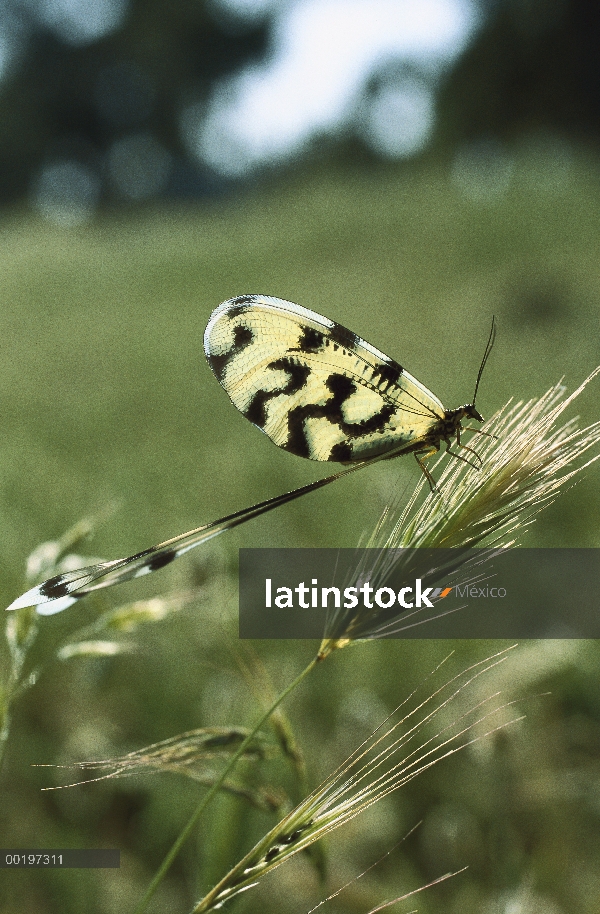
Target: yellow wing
x,y
315,388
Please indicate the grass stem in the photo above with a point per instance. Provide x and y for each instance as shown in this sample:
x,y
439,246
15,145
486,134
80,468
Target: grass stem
x,y
183,836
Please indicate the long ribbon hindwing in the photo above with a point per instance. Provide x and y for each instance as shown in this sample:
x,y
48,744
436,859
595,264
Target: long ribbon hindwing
x,y
315,389
320,391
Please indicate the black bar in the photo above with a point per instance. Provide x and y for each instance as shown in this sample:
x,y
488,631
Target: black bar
x,y
419,593
62,858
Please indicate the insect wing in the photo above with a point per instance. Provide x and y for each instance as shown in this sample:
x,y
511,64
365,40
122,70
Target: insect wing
x,y
314,387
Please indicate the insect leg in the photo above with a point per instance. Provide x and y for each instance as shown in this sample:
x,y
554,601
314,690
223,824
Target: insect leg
x,y
464,459
470,449
428,453
465,447
468,428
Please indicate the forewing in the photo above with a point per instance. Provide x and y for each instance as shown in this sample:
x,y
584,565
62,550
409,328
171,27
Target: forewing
x,y
314,387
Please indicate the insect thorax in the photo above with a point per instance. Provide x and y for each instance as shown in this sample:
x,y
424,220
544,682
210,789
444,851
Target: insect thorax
x,y
450,426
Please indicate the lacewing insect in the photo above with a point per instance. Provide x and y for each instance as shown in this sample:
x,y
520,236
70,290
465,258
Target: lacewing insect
x,y
318,391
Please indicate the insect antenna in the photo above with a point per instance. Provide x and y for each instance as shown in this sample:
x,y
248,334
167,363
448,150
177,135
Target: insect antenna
x,y
486,355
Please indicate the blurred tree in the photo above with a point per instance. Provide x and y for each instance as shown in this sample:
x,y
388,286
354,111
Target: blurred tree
x,y
92,91
74,86
534,67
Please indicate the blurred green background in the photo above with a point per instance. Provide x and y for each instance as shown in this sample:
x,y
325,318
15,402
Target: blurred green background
x,y
106,399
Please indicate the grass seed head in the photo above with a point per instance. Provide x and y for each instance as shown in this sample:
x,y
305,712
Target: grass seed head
x,y
398,751
527,458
